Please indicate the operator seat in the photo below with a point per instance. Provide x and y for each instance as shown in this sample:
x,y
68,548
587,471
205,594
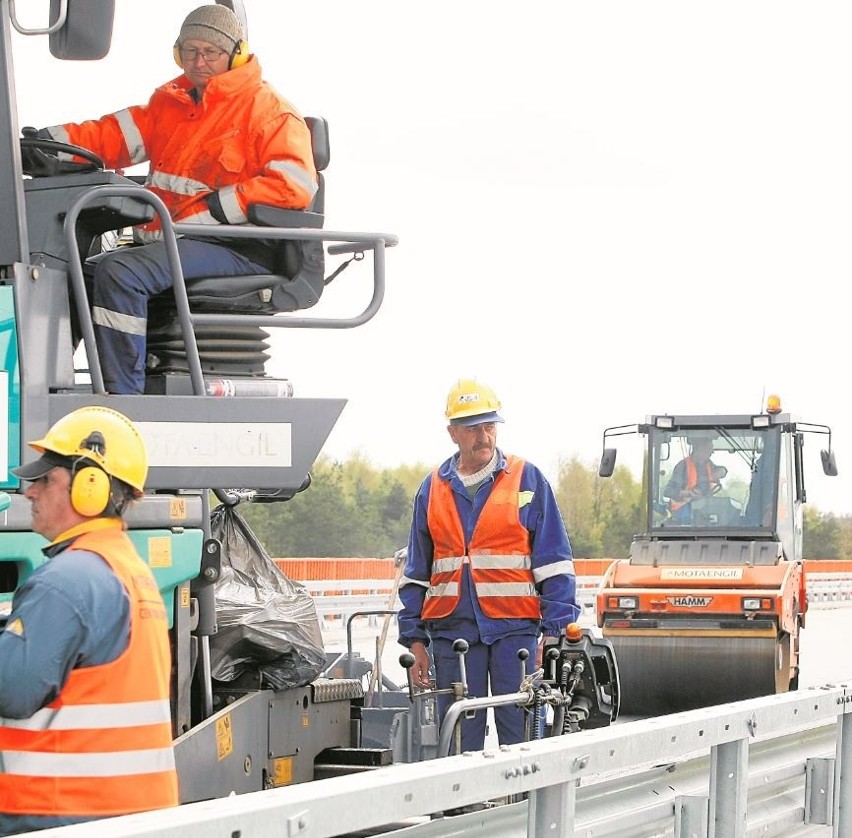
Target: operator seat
x,y
240,350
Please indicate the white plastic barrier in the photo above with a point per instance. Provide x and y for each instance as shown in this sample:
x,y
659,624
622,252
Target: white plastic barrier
x,y
336,599
829,587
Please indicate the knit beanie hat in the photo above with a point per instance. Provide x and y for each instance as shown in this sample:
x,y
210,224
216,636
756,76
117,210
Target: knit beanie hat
x,y
217,25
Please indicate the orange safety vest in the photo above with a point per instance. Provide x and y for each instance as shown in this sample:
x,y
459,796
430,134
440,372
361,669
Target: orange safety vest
x,y
498,553
692,480
103,746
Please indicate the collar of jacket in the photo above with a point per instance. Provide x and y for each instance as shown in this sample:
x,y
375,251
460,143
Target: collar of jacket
x,y
448,468
225,85
62,541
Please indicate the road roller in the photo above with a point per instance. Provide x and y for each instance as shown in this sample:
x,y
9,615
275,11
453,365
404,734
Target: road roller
x,y
709,605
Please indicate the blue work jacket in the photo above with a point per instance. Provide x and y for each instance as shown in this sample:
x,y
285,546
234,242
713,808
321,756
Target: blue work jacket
x,y
550,554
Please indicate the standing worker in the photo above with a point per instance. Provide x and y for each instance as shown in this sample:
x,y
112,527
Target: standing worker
x,y
85,726
489,562
218,138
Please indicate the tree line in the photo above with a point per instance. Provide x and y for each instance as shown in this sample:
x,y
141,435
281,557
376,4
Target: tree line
x,y
354,509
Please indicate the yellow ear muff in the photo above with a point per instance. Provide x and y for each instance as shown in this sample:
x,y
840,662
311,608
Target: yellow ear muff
x,y
240,55
90,491
176,54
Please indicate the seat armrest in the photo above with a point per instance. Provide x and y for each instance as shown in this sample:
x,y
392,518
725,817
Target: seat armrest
x,y
267,215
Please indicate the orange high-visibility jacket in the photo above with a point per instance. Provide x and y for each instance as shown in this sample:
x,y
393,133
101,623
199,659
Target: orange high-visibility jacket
x,y
692,480
103,747
498,553
242,140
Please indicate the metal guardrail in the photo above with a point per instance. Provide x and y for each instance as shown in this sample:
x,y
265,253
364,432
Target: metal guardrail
x,y
779,765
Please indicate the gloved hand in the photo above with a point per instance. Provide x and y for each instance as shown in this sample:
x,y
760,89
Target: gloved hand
x,y
36,161
35,133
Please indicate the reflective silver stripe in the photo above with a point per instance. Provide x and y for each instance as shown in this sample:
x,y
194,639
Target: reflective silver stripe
x,y
202,217
407,580
147,236
126,323
177,184
231,206
447,565
500,589
61,136
59,133
132,137
298,174
111,764
492,561
93,716
563,568
449,589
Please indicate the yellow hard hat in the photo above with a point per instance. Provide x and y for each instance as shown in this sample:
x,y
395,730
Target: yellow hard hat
x,y
472,403
101,435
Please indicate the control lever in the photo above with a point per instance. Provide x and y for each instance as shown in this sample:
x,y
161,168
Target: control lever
x,y
459,688
406,661
527,678
523,656
550,657
461,647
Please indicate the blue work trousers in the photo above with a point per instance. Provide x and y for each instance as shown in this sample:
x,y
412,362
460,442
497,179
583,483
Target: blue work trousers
x,y
122,282
496,663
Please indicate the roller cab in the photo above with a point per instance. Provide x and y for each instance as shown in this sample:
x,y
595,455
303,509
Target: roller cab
x,y
709,605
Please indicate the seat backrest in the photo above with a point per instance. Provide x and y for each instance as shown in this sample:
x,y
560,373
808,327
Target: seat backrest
x,y
318,127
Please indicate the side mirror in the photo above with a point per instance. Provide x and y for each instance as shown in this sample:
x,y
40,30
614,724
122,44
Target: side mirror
x,y
829,464
607,465
87,32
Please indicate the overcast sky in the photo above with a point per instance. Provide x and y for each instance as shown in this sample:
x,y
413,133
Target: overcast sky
x,y
605,210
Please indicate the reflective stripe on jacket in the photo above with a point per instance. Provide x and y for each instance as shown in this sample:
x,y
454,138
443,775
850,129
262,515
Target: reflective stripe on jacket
x,y
498,553
692,480
241,140
103,746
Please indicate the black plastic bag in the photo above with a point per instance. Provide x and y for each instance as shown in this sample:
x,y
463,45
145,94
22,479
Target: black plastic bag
x,y
267,623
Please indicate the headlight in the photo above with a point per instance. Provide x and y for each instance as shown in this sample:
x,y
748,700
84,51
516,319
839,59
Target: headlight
x,y
625,603
754,603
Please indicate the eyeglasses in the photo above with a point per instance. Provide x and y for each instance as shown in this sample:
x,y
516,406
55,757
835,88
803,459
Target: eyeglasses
x,y
209,54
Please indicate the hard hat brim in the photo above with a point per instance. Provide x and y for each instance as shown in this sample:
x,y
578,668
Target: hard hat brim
x,y
479,419
42,466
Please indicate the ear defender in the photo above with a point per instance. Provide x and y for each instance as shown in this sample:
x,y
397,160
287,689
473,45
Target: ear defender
x,y
90,486
90,491
239,56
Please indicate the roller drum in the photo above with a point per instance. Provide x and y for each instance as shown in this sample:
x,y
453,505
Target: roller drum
x,y
667,674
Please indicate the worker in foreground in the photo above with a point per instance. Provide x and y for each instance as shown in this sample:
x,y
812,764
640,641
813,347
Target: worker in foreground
x,y
218,138
489,562
85,728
